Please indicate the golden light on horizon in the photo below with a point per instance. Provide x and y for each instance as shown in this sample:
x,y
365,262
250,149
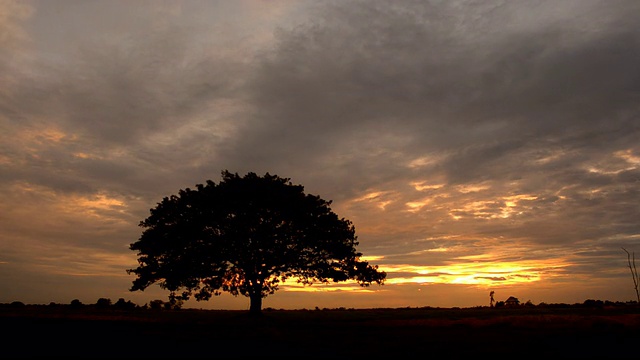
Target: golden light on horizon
x,y
327,288
477,273
463,273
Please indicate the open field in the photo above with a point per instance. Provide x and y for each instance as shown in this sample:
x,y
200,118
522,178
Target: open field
x,y
573,332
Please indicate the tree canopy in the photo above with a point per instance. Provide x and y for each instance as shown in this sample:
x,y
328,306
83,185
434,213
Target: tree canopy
x,y
245,235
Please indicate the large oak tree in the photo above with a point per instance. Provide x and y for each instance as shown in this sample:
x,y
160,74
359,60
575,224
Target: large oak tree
x,y
245,235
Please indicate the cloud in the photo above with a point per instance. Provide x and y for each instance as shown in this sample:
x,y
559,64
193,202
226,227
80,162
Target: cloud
x,y
118,108
523,96
372,85
502,131
12,15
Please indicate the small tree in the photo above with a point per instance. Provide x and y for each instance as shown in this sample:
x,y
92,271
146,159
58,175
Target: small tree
x,y
103,303
156,304
631,259
244,236
173,304
124,305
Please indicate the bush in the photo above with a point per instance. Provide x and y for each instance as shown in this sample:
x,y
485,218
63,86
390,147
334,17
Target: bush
x,y
124,305
103,303
156,304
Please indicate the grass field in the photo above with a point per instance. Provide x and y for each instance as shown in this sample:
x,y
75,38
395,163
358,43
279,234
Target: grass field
x,y
439,333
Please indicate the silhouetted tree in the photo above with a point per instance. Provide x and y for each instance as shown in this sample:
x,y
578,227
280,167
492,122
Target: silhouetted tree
x,y
593,303
244,236
173,304
103,303
631,259
156,304
124,305
76,303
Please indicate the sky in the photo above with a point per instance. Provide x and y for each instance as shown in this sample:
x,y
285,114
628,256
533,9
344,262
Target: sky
x,y
476,146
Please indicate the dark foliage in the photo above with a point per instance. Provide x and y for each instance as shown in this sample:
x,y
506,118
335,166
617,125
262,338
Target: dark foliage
x,y
245,235
103,303
156,304
124,305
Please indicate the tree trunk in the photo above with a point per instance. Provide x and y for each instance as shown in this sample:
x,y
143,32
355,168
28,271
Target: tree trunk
x,y
256,304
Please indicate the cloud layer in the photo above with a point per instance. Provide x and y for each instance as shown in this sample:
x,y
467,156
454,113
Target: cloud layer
x,y
453,134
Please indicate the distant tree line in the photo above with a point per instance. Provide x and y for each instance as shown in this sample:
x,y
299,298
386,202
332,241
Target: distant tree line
x,y
106,303
589,303
122,304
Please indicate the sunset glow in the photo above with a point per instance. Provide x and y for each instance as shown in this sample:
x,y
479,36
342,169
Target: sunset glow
x,y
474,146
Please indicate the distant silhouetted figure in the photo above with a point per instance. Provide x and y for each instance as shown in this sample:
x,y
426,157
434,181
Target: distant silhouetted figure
x,y
492,300
245,235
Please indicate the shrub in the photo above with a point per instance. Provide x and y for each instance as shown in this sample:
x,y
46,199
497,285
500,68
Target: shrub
x,y
103,303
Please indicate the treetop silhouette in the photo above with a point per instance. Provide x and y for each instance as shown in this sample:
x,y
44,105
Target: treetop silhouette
x,y
246,235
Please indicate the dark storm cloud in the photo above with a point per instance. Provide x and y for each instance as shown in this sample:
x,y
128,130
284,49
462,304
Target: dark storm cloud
x,y
420,77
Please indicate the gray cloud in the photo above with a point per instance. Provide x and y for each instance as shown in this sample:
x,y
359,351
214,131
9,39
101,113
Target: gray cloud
x,y
444,130
420,78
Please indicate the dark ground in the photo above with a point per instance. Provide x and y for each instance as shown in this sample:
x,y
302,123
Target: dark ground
x,y
41,331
